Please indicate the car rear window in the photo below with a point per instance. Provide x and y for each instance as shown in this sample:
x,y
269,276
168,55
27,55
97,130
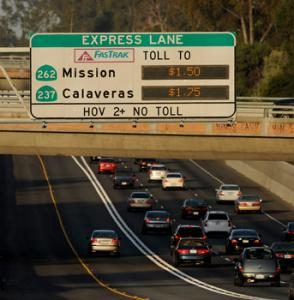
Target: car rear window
x,y
217,216
158,168
191,244
284,247
246,233
140,195
258,254
196,203
250,198
106,160
230,188
190,231
104,234
157,214
173,175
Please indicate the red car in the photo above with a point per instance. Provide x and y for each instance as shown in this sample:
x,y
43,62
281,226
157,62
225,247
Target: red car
x,y
106,165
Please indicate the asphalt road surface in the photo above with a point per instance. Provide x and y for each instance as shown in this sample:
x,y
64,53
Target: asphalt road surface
x,y
48,207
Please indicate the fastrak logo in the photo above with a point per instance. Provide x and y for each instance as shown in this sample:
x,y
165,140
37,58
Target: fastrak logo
x,y
104,55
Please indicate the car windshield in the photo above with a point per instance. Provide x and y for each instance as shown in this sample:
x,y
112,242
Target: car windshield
x,y
247,233
196,203
189,244
140,195
258,254
283,247
230,188
217,216
190,231
104,234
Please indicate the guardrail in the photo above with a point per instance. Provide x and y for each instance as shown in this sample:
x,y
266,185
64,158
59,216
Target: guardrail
x,y
246,106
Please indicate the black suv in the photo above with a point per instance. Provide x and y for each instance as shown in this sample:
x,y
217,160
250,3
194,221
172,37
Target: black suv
x,y
124,178
284,109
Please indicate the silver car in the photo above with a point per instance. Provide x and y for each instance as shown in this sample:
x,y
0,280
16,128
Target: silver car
x,y
140,199
105,241
217,221
157,172
228,192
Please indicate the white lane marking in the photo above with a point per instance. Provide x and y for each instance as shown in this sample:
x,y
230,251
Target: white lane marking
x,y
143,248
221,182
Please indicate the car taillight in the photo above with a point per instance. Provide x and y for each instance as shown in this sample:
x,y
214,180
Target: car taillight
x,y
168,220
280,255
256,204
165,180
242,203
181,180
177,237
290,232
183,251
240,267
93,240
256,241
115,241
146,220
131,201
202,251
221,193
204,237
234,241
239,194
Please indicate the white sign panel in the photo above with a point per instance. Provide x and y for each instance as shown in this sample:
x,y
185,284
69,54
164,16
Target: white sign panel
x,y
133,76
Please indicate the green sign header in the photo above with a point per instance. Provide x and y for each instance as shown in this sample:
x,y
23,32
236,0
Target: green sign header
x,y
171,39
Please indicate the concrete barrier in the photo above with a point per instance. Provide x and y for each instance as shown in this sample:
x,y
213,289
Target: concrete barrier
x,y
277,177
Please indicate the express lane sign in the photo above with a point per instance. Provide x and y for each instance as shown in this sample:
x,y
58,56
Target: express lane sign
x,y
133,76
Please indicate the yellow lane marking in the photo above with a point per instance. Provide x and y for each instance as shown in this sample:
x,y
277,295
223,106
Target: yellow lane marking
x,y
83,264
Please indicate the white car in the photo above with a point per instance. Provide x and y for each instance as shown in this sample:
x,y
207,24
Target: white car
x,y
157,172
173,180
228,192
217,221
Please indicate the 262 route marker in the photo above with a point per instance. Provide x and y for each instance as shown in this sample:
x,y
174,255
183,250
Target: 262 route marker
x,y
133,76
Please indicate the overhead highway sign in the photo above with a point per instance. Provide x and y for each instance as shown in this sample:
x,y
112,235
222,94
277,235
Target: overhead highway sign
x,y
133,76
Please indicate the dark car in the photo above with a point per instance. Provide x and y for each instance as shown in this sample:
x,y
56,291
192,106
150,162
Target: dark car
x,y
145,163
288,233
157,220
183,231
191,250
124,178
242,238
194,207
283,108
257,264
284,252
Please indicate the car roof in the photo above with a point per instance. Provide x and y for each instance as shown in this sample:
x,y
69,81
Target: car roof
x,y
245,197
174,173
229,184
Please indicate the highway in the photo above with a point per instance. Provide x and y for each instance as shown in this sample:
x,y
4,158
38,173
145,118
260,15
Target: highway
x,y
49,205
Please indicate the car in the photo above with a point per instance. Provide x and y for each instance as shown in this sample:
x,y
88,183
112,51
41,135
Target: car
x,y
146,163
104,241
228,193
106,165
157,172
191,250
157,220
183,231
242,238
284,251
140,200
283,108
124,178
217,222
194,207
257,264
291,287
94,159
288,233
173,180
248,203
